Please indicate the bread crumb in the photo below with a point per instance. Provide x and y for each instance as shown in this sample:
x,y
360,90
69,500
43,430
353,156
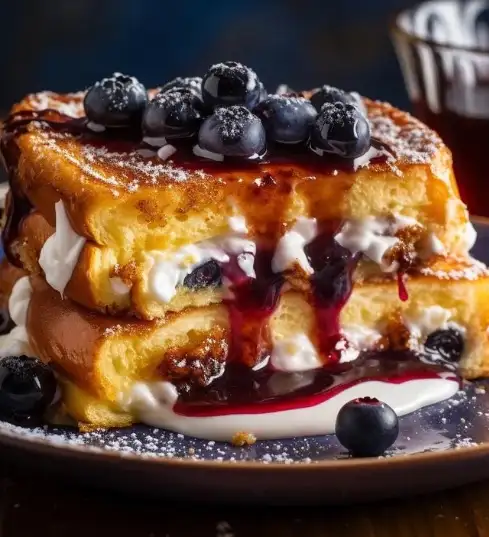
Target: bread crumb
x,y
243,439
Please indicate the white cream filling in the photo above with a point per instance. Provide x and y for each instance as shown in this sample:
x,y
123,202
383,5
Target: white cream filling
x,y
167,270
361,337
290,247
16,342
61,251
373,237
294,354
153,404
422,323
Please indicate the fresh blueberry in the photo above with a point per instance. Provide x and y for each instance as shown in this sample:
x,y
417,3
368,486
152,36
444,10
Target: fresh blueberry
x,y
27,388
447,344
342,130
286,119
118,101
207,275
234,132
366,427
231,83
330,94
172,114
192,83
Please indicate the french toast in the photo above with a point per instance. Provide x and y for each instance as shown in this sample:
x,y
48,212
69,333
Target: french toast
x,y
211,259
134,211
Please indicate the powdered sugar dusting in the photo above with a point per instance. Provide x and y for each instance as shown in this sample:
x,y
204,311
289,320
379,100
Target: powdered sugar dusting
x,y
410,140
472,271
70,104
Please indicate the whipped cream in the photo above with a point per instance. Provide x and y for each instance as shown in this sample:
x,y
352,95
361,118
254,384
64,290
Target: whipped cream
x,y
153,404
168,270
61,251
290,247
428,320
373,237
360,337
295,354
119,287
16,342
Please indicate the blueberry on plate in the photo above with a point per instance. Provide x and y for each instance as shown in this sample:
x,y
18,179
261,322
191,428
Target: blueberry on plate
x,y
207,275
330,94
118,101
192,83
342,130
233,132
27,388
172,114
446,344
366,427
231,83
286,119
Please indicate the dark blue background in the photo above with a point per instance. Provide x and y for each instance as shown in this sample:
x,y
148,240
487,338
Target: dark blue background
x,y
67,44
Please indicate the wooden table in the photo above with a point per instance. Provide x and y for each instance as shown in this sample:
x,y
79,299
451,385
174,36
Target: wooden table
x,y
35,507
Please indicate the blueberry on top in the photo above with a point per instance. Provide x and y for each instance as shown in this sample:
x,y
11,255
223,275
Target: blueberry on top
x,y
230,83
341,129
366,427
27,387
330,94
117,101
447,345
172,114
286,119
193,83
233,131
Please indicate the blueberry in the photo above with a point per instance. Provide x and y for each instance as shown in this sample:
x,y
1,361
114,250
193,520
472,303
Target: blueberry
x,y
286,119
192,83
330,94
231,83
118,101
447,344
341,129
207,275
27,388
366,427
263,91
172,114
234,132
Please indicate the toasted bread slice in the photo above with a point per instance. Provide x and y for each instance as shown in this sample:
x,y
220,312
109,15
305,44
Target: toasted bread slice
x,y
130,207
100,358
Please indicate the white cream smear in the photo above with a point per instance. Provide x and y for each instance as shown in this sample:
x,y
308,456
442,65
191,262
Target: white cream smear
x,y
168,270
153,404
373,237
61,251
290,247
16,342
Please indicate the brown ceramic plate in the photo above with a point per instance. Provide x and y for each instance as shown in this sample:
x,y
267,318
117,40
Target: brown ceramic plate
x,y
440,446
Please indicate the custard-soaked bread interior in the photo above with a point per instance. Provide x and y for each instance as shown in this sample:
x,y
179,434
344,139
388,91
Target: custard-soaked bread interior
x,y
132,209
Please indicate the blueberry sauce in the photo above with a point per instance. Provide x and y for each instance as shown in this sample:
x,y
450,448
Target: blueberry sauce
x,y
241,390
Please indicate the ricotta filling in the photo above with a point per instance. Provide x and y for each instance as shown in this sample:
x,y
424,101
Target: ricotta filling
x,y
61,251
16,342
168,270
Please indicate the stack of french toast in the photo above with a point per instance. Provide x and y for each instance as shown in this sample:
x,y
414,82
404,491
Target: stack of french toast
x,y
162,245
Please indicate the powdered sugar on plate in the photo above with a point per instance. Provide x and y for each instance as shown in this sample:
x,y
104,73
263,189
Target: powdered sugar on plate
x,y
460,422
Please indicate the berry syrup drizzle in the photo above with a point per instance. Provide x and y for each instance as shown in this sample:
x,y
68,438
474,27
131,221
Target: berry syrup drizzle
x,y
249,383
241,390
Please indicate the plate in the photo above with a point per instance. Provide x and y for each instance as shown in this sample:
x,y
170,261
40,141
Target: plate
x,y
440,446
